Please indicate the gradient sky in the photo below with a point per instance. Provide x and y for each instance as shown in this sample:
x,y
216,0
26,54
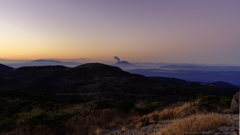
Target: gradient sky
x,y
180,31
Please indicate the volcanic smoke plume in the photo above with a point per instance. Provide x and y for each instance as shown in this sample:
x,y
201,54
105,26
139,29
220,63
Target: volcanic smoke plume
x,y
116,58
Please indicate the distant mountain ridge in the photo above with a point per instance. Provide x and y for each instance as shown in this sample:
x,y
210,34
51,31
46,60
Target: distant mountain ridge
x,y
42,60
126,65
204,76
223,84
108,82
45,62
184,82
123,63
199,67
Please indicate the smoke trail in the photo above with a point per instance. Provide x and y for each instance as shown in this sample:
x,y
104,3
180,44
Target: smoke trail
x,y
116,58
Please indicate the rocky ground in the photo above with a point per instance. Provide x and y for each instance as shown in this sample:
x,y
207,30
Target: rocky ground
x,y
231,129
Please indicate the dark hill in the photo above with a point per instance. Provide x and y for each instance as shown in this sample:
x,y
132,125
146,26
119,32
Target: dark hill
x,y
102,69
92,77
27,68
97,81
4,68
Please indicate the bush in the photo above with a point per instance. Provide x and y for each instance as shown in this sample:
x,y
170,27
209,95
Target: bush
x,y
148,108
7,124
44,118
124,106
101,104
213,103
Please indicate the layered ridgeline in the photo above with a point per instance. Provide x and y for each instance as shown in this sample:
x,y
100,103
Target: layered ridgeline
x,y
97,81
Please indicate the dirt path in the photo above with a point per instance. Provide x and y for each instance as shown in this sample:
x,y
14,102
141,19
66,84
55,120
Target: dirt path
x,y
231,129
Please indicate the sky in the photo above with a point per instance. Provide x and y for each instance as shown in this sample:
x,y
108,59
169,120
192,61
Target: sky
x,y
171,31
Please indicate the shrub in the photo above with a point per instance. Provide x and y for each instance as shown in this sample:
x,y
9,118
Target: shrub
x,y
213,103
147,108
43,118
124,106
101,104
85,109
171,113
7,124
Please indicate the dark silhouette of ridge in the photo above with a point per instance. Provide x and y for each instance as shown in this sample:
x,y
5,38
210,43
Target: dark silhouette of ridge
x,y
4,68
108,81
63,79
39,68
43,62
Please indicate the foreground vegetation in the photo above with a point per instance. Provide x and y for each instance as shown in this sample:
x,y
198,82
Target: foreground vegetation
x,y
47,113
194,124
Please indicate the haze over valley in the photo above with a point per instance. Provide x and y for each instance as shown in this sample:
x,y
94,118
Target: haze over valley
x,y
188,72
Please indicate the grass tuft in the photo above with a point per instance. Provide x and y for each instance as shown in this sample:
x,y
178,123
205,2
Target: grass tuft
x,y
198,123
171,113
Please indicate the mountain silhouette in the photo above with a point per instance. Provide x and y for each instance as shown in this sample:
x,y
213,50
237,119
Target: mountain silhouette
x,y
123,63
4,68
43,62
108,82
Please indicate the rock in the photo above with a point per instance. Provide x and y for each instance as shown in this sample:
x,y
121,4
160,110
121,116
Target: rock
x,y
235,103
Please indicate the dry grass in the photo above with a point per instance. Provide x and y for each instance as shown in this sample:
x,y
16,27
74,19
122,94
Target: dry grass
x,y
99,131
100,120
124,128
140,104
227,111
171,113
96,121
198,123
